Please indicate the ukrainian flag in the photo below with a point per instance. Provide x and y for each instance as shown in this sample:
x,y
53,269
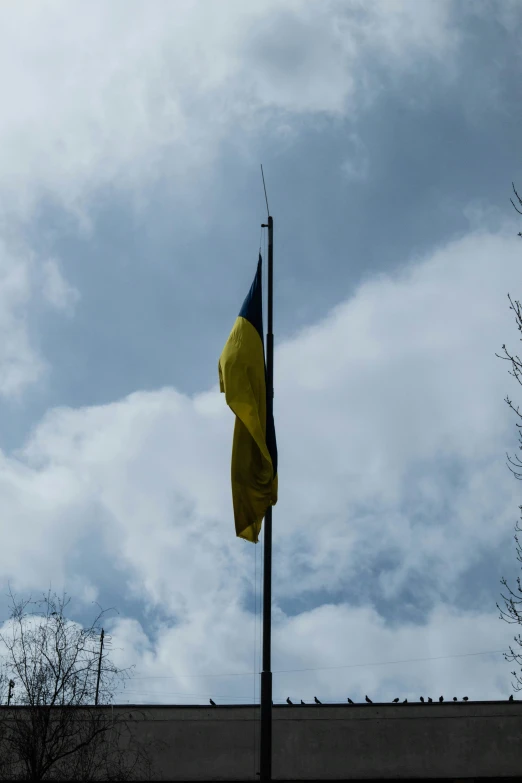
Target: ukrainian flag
x,y
242,377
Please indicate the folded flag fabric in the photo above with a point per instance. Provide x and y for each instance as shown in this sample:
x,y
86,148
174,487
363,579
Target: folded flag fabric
x,y
242,377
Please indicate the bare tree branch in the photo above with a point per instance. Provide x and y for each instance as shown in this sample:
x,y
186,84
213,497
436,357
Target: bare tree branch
x,y
518,197
512,612
52,729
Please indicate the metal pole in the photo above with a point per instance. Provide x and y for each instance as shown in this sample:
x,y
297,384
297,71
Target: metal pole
x,y
266,674
99,668
9,692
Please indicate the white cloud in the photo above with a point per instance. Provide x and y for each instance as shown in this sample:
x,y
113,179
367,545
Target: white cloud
x,y
56,290
111,94
118,95
406,28
392,431
20,363
24,279
343,650
404,375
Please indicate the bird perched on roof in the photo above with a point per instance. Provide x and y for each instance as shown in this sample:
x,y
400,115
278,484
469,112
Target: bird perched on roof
x,y
405,701
395,701
368,700
422,699
316,700
511,698
350,701
302,702
441,699
429,698
464,698
454,698
213,703
288,700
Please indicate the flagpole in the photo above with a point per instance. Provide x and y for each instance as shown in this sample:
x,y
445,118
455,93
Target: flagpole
x,y
266,674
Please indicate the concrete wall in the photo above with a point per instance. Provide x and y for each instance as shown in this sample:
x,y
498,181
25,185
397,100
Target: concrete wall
x,y
336,742
327,742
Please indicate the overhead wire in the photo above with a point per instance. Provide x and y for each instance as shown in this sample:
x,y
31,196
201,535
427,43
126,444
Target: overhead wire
x,y
321,668
235,698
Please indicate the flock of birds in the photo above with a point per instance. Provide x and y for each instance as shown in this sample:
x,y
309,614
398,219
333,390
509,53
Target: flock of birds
x,y
369,701
394,701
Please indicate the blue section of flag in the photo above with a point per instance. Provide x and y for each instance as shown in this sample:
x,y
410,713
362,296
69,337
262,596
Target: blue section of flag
x,y
271,443
252,308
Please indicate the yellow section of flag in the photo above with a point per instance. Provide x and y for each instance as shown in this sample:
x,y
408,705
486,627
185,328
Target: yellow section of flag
x,y
242,379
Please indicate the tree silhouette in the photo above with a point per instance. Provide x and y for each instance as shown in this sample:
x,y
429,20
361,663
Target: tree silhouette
x,y
51,728
512,613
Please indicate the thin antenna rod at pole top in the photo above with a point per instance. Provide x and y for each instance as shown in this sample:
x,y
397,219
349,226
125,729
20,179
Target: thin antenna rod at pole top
x,y
264,186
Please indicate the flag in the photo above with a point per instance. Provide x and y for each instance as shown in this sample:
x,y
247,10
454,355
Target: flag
x,y
242,377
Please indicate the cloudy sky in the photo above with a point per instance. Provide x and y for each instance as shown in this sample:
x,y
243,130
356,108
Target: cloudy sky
x,y
131,135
